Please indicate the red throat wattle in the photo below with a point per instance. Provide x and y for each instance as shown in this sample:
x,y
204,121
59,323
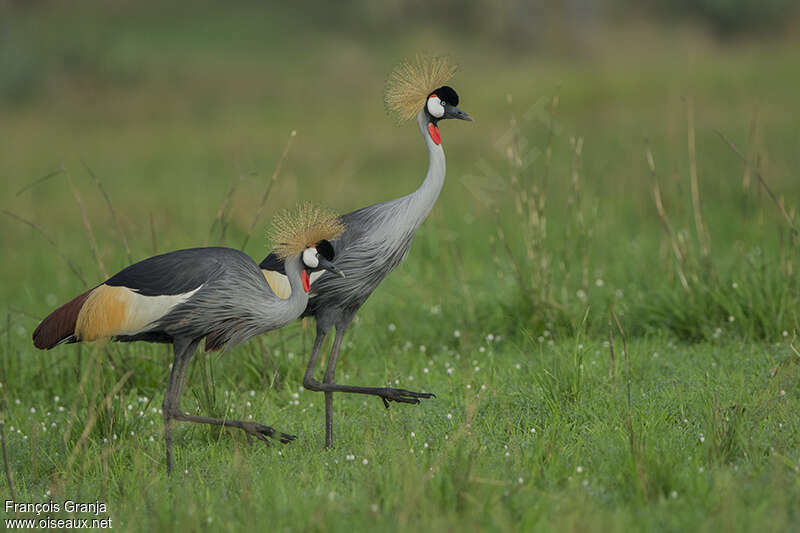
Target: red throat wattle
x,y
434,133
305,279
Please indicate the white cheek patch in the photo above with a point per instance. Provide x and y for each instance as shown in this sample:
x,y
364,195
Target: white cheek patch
x,y
310,257
435,107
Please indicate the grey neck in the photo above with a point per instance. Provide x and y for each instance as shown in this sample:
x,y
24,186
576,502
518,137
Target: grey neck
x,y
299,297
426,195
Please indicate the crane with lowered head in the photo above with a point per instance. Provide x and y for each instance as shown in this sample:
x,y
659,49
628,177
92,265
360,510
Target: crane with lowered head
x,y
377,238
184,296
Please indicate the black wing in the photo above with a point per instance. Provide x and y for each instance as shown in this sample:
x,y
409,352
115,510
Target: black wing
x,y
175,272
274,263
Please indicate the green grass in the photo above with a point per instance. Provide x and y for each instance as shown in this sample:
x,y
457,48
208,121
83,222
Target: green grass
x,y
530,429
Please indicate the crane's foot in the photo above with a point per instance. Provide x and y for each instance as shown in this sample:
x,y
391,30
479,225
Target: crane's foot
x,y
264,433
402,396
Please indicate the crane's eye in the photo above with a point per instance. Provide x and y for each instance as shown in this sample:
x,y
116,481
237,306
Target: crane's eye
x,y
435,107
310,258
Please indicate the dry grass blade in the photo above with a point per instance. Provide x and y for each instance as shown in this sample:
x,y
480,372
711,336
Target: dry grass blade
x,y
114,218
222,219
761,180
93,419
46,237
612,362
702,235
268,189
39,181
87,226
662,214
6,465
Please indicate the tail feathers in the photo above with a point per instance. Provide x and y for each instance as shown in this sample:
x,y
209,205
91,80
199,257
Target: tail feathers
x,y
59,326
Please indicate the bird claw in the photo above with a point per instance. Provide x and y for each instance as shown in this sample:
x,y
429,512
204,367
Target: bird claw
x,y
403,396
261,432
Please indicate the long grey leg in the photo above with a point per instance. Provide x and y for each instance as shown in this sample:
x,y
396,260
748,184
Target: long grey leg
x,y
308,378
330,372
183,350
171,406
328,386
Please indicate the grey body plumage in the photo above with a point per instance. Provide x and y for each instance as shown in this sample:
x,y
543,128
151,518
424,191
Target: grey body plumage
x,y
376,239
183,297
235,302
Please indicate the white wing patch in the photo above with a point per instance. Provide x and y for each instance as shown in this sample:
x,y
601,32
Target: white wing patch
x,y
111,311
144,310
278,283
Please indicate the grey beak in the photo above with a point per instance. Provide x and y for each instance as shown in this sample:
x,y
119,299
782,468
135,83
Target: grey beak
x,y
454,112
330,267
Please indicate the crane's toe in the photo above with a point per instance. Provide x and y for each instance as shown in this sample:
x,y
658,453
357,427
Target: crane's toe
x,y
403,396
264,433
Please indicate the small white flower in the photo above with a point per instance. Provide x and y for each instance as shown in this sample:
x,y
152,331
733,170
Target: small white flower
x,y
481,349
33,409
425,370
456,334
731,319
450,370
508,454
785,333
364,462
735,285
56,398
422,348
17,401
477,369
290,355
350,457
374,507
673,494
533,430
392,327
599,282
579,469
520,481
585,482
490,337
449,416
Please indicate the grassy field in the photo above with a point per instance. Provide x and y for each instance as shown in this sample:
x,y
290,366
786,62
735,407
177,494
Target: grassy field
x,y
595,183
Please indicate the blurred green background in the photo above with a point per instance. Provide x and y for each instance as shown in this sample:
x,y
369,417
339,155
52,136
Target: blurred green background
x,y
173,106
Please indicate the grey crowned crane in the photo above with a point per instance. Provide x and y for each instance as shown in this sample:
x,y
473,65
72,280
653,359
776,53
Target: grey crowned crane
x,y
184,296
377,238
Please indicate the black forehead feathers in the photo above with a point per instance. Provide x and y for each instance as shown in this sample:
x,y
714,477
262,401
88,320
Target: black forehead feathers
x,y
325,249
447,94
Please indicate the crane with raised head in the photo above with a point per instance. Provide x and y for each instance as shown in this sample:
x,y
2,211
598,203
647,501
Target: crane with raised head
x,y
185,296
377,238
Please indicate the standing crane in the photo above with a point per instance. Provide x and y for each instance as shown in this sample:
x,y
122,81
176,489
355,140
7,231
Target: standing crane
x,y
181,297
377,238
